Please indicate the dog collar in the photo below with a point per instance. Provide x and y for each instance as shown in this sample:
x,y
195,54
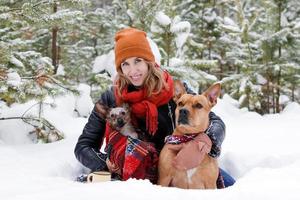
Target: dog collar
x,y
178,139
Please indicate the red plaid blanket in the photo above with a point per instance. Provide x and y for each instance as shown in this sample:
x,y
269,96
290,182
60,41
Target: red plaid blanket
x,y
136,158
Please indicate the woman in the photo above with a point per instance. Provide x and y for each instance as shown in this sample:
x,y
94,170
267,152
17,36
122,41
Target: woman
x,y
148,90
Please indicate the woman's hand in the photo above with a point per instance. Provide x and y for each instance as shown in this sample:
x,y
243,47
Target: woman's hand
x,y
191,154
112,167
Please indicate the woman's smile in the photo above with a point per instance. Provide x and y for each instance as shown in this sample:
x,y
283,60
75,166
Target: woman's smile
x,y
136,77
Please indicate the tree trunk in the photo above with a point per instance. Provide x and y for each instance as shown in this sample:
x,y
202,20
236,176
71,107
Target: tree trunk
x,y
222,54
279,55
293,92
54,42
278,91
268,96
168,46
273,99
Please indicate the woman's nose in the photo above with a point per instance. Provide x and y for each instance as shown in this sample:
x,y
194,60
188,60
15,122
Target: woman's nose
x,y
132,67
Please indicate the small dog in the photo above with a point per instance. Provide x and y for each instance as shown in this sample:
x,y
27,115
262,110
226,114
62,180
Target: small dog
x,y
119,120
191,117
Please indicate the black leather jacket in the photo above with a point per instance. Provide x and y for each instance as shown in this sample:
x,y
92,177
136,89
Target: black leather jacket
x,y
88,145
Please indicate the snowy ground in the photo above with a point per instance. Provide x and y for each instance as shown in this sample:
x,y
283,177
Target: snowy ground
x,y
261,152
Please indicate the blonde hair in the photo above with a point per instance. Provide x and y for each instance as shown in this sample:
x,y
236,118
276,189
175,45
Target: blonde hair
x,y
154,81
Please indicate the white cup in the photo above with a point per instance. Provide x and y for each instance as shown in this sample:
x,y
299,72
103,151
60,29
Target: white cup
x,y
99,176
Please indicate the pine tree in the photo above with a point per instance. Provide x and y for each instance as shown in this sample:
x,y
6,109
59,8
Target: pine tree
x,y
29,66
278,47
252,46
248,87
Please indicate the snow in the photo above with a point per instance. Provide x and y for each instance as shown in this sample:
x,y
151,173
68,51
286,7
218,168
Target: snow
x,y
182,30
260,79
105,62
5,16
64,13
162,18
228,21
203,62
210,15
260,152
16,62
155,50
13,79
176,62
84,103
283,99
60,70
297,25
232,29
130,14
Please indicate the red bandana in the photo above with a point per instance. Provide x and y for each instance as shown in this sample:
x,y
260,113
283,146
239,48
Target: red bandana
x,y
143,106
178,139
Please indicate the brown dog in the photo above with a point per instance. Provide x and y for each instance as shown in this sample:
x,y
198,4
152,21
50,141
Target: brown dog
x,y
191,117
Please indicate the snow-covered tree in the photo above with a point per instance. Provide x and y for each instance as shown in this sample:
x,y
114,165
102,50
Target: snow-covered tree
x,y
28,35
251,46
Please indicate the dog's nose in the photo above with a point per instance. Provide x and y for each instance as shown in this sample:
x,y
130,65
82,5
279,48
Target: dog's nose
x,y
183,116
183,112
120,122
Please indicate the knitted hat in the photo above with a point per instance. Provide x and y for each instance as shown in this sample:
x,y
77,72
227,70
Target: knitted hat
x,y
131,42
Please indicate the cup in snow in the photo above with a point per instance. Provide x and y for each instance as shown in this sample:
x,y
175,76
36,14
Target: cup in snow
x,y
99,176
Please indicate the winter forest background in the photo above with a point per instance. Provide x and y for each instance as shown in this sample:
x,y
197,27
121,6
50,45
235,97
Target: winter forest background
x,y
52,47
56,57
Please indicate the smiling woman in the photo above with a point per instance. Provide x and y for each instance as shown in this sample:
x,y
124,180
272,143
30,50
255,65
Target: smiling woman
x,y
135,63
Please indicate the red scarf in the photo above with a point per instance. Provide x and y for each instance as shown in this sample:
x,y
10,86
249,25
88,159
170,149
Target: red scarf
x,y
143,106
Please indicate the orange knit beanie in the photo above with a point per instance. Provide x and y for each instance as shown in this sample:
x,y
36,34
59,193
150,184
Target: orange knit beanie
x,y
131,42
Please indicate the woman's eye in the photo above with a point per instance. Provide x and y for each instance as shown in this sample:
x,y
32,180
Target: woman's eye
x,y
124,64
138,60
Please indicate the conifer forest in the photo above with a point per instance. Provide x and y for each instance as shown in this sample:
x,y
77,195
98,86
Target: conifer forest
x,y
49,47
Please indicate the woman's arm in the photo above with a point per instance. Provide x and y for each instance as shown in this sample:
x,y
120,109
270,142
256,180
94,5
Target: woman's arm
x,y
216,132
88,144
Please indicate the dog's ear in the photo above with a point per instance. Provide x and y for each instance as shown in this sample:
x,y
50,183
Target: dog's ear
x,y
126,107
212,93
102,110
179,90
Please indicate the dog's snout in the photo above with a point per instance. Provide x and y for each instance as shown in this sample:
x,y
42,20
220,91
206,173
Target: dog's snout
x,y
120,122
183,112
183,116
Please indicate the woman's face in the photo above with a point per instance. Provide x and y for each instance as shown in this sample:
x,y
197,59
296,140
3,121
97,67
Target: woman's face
x,y
135,69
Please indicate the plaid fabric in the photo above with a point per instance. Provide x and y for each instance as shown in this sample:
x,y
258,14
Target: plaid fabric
x,y
136,158
141,160
115,148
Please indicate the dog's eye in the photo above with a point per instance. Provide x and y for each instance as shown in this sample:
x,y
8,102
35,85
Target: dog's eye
x,y
198,105
180,104
123,113
112,115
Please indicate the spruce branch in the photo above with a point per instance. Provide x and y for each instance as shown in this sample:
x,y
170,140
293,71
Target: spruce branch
x,y
41,79
33,6
27,120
